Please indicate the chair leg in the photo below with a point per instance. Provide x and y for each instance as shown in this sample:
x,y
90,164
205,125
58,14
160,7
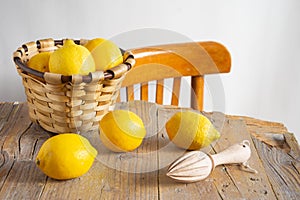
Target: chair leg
x,y
197,93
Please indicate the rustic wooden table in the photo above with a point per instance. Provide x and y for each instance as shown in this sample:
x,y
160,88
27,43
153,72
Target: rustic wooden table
x,y
141,174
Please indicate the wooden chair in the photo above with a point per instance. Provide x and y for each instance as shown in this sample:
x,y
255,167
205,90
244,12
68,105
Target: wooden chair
x,y
195,59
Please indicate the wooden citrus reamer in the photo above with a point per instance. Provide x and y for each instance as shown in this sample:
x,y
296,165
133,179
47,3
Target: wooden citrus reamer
x,y
196,165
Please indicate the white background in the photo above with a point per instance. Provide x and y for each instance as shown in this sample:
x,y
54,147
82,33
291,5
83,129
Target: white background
x,y
263,37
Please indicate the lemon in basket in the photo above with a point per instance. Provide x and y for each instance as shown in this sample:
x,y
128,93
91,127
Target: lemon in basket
x,y
105,53
66,156
40,62
122,131
191,130
71,59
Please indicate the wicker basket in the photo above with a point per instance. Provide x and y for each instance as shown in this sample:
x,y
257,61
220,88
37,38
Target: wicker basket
x,y
62,104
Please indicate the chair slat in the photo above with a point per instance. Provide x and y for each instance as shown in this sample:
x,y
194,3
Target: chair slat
x,y
159,91
130,93
118,98
176,91
144,91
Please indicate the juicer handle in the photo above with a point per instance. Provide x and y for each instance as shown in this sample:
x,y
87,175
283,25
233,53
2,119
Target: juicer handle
x,y
235,154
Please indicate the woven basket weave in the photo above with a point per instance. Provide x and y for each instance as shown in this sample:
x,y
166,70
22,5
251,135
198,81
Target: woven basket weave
x,y
62,104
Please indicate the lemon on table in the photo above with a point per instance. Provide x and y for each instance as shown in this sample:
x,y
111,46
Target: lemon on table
x,y
122,131
66,156
71,59
191,130
40,62
105,53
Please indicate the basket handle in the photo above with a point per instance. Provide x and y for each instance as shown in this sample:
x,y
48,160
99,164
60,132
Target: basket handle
x,y
115,72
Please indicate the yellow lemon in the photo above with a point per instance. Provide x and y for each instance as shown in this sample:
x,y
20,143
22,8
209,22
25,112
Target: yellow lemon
x,y
105,53
71,59
40,62
191,130
122,131
66,156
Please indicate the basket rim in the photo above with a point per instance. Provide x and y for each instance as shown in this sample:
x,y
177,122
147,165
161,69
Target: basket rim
x,y
108,74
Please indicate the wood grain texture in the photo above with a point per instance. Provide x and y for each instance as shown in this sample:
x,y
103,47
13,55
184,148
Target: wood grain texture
x,y
282,169
141,174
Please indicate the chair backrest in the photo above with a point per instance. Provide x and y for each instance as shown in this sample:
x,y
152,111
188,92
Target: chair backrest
x,y
194,59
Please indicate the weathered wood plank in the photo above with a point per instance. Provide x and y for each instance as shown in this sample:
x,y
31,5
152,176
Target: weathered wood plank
x,y
18,173
248,185
6,160
31,141
282,170
88,186
5,110
24,181
281,159
18,122
257,126
294,148
6,163
141,174
7,115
